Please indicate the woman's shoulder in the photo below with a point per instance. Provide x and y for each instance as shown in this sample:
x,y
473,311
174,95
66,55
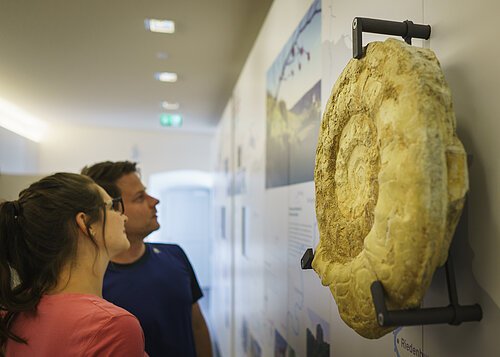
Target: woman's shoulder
x,y
114,329
108,308
90,326
120,335
83,303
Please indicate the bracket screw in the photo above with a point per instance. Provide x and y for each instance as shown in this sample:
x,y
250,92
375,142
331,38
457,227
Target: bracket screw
x,y
380,318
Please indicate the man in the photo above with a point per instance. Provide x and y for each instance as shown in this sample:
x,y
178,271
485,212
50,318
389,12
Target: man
x,y
155,282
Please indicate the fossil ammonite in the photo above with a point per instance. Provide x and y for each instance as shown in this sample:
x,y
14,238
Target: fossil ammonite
x,y
390,177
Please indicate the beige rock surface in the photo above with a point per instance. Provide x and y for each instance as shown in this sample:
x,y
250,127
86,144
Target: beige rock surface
x,y
390,179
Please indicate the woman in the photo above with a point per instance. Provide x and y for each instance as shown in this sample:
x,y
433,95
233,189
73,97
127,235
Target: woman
x,y
57,240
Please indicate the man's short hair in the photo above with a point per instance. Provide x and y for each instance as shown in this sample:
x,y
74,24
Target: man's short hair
x,y
106,173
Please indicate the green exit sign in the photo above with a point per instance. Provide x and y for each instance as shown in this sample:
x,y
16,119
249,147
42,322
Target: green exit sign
x,y
172,120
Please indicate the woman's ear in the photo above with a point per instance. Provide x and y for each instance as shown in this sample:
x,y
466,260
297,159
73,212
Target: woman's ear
x,y
81,222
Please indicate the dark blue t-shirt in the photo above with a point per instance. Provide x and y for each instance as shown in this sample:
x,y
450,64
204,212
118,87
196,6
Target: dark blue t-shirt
x,y
159,289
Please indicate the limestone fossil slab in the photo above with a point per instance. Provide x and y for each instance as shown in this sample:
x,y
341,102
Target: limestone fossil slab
x,y
390,177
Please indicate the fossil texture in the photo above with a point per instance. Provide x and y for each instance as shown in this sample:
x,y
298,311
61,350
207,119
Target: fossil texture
x,y
390,177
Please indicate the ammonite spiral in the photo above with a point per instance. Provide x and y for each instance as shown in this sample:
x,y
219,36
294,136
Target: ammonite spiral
x,y
390,176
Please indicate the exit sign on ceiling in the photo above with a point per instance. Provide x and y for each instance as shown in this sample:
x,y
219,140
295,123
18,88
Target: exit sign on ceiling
x,y
171,120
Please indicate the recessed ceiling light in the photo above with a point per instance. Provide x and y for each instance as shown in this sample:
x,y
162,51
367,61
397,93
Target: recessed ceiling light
x,y
169,106
171,120
162,26
162,55
166,76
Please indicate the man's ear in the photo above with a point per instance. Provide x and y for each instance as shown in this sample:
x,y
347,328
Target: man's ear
x,y
81,222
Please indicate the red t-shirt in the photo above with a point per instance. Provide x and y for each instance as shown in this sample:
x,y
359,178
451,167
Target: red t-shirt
x,y
77,325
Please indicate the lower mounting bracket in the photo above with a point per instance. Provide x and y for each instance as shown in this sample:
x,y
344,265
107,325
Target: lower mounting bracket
x,y
453,314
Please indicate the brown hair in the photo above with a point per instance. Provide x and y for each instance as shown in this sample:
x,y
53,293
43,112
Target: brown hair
x,y
106,173
38,237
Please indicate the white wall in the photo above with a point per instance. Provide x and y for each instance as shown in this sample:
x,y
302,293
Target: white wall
x,y
463,38
222,295
464,41
18,155
11,185
69,148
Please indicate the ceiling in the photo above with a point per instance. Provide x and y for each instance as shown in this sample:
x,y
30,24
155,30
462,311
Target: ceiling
x,y
92,61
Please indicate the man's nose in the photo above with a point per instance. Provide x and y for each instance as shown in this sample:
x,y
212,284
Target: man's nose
x,y
154,201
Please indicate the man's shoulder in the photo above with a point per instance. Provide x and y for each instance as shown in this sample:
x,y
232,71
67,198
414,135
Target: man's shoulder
x,y
165,247
169,249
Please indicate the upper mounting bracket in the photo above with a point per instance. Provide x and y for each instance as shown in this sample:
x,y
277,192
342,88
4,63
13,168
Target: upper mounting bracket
x,y
405,29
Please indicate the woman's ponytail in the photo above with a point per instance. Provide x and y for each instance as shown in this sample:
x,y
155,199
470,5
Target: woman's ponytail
x,y
10,236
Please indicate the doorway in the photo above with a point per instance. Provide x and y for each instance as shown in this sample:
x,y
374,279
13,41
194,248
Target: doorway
x,y
185,217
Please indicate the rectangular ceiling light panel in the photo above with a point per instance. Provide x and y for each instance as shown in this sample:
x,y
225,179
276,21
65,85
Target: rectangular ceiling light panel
x,y
161,26
170,106
166,76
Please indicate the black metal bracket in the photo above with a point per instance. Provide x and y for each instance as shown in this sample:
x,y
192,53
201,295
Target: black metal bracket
x,y
307,258
453,314
406,29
